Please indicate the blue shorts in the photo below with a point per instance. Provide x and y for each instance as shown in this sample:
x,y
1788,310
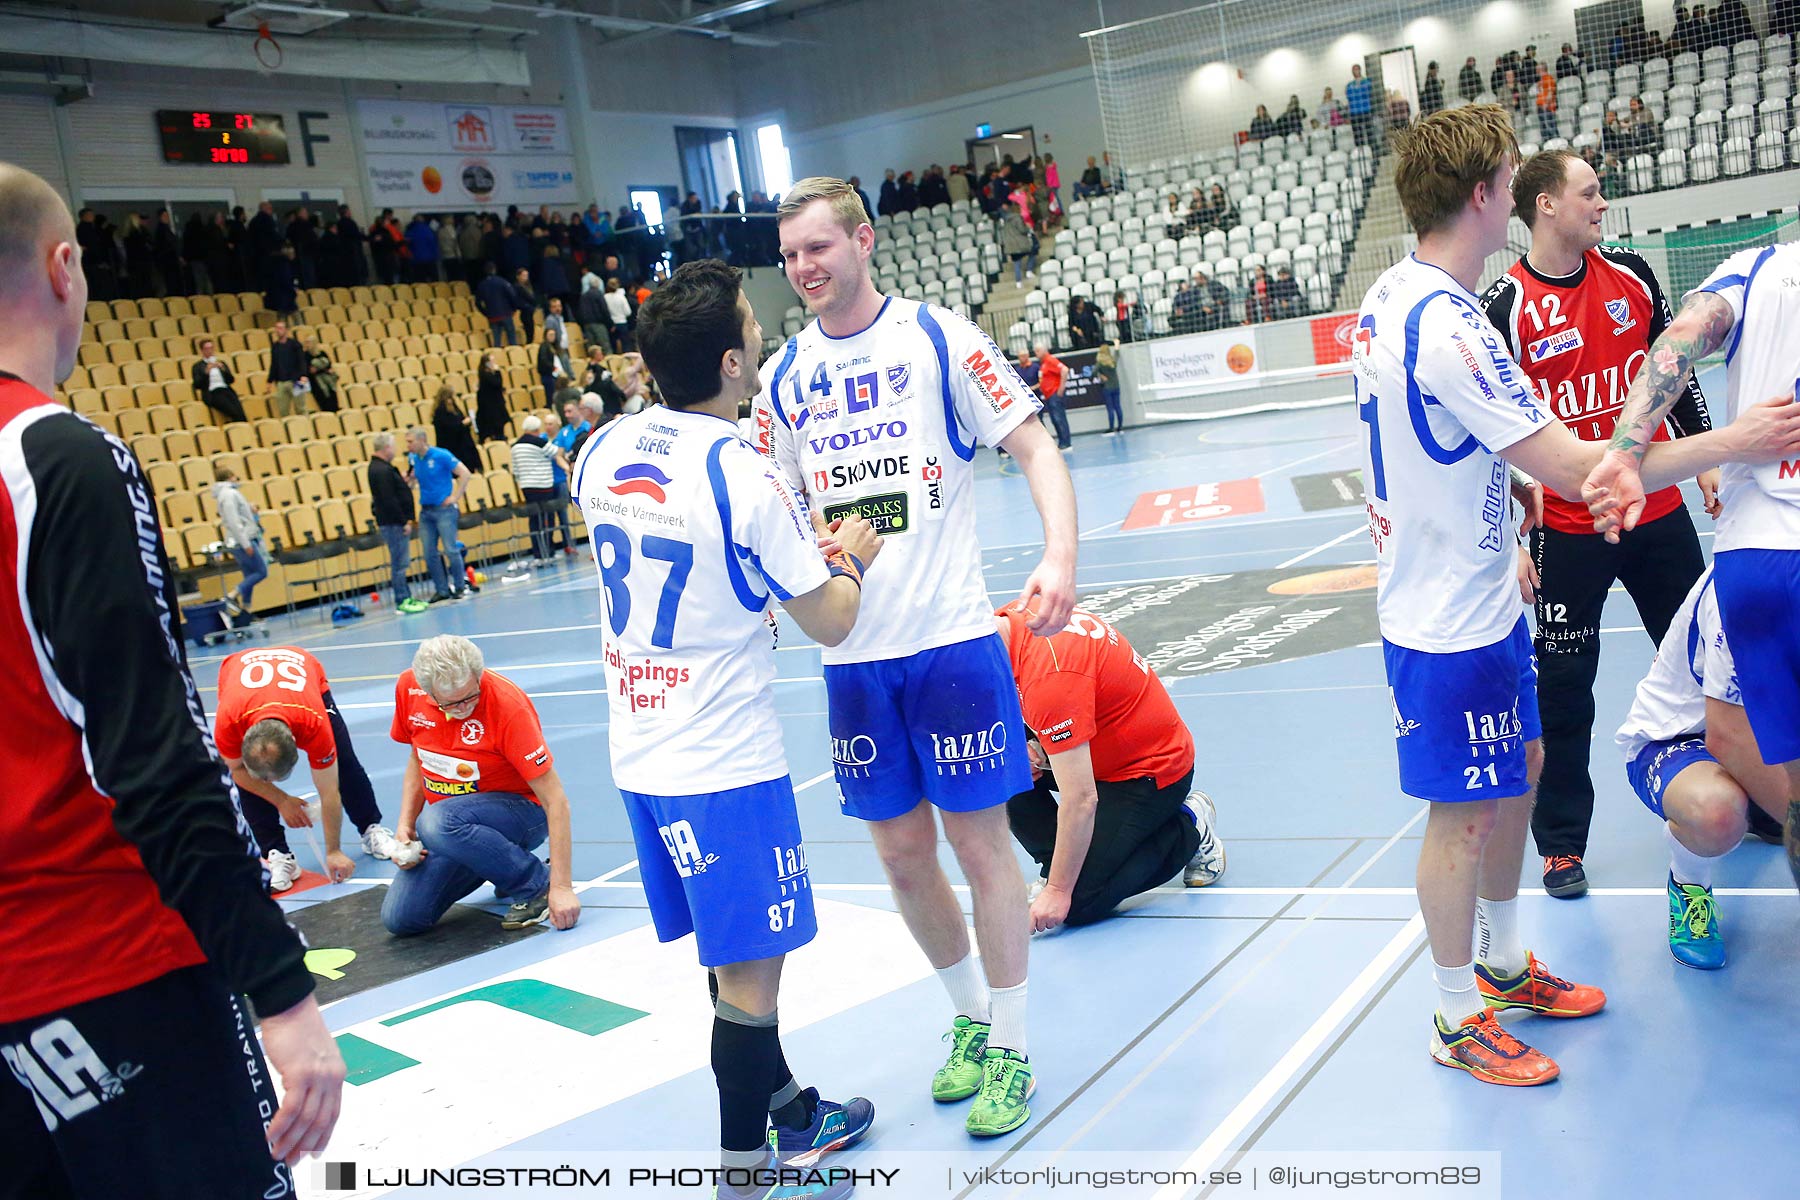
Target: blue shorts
x,y
1759,593
1657,765
1462,720
728,867
941,724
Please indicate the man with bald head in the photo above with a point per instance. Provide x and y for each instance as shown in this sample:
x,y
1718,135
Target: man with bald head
x,y
133,912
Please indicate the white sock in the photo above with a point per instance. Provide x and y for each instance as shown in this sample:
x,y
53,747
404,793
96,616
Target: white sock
x,y
1458,997
1009,1018
1497,936
968,988
1686,866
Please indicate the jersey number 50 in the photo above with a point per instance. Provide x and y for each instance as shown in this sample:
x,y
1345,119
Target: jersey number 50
x,y
678,554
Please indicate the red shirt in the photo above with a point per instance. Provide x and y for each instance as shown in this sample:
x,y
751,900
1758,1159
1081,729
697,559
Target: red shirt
x,y
1581,340
283,682
499,747
1050,375
1086,686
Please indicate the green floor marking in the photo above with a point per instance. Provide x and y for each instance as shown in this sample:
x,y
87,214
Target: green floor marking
x,y
368,1062
545,1001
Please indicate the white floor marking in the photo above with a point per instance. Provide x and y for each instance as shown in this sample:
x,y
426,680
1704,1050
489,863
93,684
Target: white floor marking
x,y
1342,537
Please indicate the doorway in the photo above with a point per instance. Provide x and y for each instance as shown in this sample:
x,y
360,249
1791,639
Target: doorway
x,y
1020,143
1395,71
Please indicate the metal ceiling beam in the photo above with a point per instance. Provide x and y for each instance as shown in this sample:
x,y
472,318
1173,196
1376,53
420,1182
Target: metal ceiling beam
x,y
700,20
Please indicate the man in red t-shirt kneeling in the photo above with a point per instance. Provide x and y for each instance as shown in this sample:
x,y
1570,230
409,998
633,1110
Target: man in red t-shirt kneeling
x,y
1108,742
481,793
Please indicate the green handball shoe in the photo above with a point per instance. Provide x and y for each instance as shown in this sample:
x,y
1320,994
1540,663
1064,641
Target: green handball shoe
x,y
1006,1085
960,1077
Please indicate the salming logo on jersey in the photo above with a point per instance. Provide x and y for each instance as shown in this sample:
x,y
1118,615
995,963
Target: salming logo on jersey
x,y
63,1074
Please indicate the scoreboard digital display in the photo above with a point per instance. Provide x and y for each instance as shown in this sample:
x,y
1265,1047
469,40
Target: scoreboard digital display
x,y
222,139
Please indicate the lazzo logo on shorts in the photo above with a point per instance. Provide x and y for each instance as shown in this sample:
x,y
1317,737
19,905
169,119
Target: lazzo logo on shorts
x,y
684,849
967,753
63,1074
472,732
852,756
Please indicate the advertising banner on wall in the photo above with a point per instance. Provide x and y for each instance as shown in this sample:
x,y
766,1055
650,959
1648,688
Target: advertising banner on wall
x,y
425,155
1220,356
1083,388
1331,337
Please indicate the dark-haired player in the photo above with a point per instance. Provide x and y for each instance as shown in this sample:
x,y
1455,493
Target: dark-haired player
x,y
694,535
1579,317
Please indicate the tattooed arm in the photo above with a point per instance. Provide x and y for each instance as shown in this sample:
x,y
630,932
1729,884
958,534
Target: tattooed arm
x,y
1614,489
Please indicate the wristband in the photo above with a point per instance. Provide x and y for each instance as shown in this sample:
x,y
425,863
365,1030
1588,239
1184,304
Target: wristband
x,y
848,565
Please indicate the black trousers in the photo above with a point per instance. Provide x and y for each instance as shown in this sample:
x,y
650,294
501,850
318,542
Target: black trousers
x,y
353,784
225,402
1142,839
158,1092
1657,563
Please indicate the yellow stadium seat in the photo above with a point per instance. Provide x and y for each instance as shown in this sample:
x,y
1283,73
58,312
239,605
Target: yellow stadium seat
x,y
195,415
86,401
320,456
281,492
148,447
240,436
269,432
179,444
204,306
212,442
261,464
133,423
151,307
311,487
343,481
298,429
291,459
98,311
164,477
178,306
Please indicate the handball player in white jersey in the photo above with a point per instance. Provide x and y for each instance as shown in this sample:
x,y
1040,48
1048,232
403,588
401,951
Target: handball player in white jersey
x,y
1692,759
1750,307
876,409
1444,408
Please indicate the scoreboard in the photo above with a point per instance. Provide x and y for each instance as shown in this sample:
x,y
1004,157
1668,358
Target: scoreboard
x,y
223,139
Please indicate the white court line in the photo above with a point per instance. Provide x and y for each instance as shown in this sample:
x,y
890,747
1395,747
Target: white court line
x,y
1100,528
1221,1139
1308,458
1215,890
1345,536
389,704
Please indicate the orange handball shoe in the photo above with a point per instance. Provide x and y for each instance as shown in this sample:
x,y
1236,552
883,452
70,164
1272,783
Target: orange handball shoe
x,y
1537,990
1483,1048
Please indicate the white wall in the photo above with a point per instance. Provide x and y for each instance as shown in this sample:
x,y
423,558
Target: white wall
x,y
630,149
31,138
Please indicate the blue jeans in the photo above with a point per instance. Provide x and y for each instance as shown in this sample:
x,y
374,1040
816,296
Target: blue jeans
x,y
1115,411
561,517
437,523
469,840
506,333
255,568
1059,420
399,548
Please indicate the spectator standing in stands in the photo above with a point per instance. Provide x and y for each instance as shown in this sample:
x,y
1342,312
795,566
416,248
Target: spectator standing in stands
x,y
221,255
281,287
1292,122
552,366
1084,324
1259,304
1568,63
243,531
618,309
1731,23
1284,294
350,248
193,249
441,479
1018,243
124,844
536,476
1431,92
385,240
1330,113
1213,310
553,284
958,185
1106,366
1359,95
452,426
887,202
422,248
933,190
1468,81
449,251
906,196
322,381
490,399
856,183
525,300
212,383
287,367
263,241
558,525
1261,126
1399,112
469,243
1053,376
391,504
1528,68
165,251
1546,104
449,710
1497,76
498,302
1053,181
591,313
303,236
1126,315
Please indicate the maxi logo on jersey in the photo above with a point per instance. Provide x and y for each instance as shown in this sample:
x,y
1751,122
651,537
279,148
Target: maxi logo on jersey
x,y
986,375
640,479
849,474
